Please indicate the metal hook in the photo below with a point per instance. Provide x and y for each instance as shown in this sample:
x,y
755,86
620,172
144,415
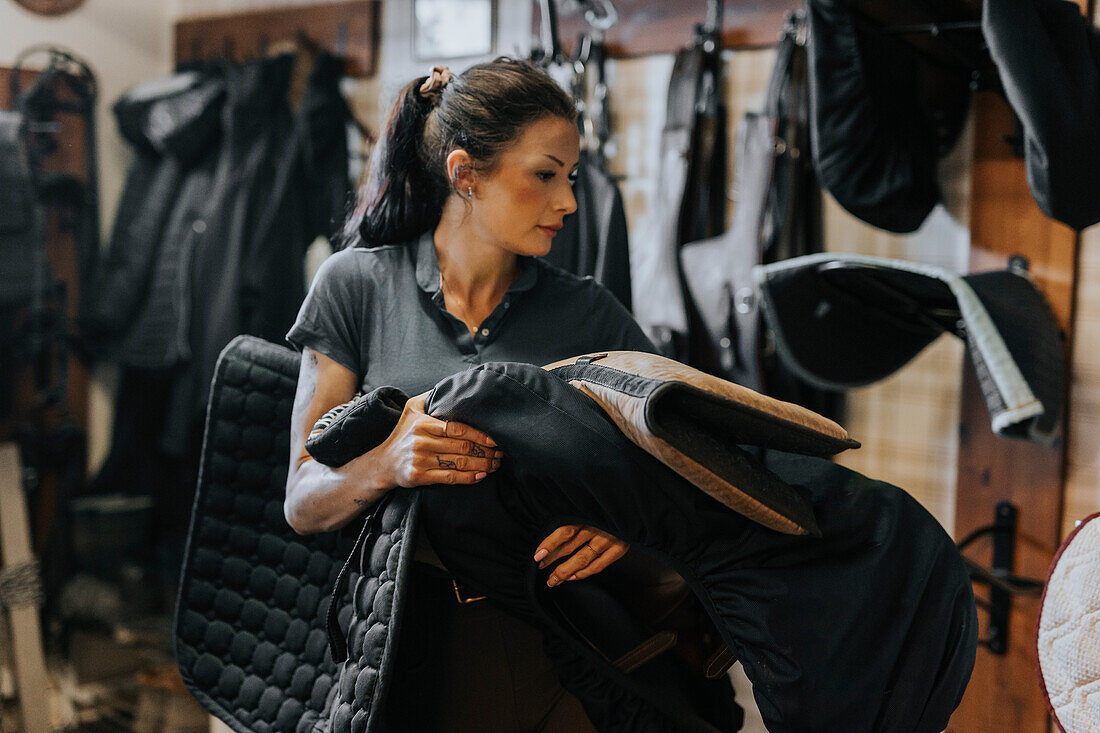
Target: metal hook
x,y
600,14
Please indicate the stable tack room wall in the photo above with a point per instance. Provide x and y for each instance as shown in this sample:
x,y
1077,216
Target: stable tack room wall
x,y
123,43
908,424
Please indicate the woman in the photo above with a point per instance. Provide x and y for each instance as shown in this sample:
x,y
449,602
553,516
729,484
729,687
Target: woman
x,y
469,183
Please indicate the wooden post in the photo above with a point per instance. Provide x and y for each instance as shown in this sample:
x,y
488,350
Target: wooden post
x,y
26,641
1004,694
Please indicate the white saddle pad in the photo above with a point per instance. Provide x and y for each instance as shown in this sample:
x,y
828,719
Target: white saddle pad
x,y
1068,632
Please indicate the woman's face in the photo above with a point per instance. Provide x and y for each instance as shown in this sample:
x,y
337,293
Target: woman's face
x,y
521,204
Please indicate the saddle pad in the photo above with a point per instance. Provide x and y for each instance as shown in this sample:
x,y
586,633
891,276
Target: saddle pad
x,y
842,321
1067,634
349,430
694,423
250,630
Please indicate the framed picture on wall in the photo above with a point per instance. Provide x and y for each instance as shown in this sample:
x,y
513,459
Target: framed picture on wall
x,y
444,29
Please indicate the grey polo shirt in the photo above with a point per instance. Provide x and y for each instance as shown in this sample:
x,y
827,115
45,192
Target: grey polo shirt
x,y
380,313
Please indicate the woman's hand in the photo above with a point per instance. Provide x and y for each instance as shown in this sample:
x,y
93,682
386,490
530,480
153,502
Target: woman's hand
x,y
423,450
592,550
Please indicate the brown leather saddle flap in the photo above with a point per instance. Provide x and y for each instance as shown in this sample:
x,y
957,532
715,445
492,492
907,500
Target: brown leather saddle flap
x,y
704,429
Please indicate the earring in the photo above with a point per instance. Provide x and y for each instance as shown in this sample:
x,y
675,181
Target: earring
x,y
470,192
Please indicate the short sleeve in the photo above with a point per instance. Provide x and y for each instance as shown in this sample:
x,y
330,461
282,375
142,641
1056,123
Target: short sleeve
x,y
619,331
330,320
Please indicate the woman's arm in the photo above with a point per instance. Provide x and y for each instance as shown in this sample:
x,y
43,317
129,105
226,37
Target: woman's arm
x,y
420,451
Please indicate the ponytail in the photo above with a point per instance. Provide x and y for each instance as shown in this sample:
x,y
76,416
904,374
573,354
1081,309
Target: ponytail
x,y
483,110
399,199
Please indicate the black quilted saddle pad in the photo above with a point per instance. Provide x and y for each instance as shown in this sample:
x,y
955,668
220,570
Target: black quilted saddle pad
x,y
250,631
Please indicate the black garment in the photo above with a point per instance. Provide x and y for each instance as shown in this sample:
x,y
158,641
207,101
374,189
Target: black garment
x,y
228,190
173,126
1049,60
872,626
593,239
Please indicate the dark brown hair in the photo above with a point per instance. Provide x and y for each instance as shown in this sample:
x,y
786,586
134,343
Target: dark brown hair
x,y
482,110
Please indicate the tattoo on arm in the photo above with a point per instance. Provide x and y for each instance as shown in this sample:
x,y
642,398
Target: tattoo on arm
x,y
444,463
362,503
307,387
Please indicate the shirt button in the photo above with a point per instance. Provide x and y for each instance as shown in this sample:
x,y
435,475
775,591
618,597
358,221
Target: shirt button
x,y
484,332
507,304
199,226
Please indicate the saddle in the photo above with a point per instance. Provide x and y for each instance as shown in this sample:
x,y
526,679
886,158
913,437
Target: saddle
x,y
252,647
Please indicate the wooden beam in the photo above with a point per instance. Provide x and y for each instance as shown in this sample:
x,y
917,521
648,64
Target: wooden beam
x,y
1004,694
26,632
647,27
348,29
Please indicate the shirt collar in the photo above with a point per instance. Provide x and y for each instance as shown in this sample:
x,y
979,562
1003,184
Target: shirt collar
x,y
427,268
427,263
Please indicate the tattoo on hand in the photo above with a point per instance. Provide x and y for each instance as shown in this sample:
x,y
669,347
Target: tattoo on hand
x,y
362,503
477,450
445,464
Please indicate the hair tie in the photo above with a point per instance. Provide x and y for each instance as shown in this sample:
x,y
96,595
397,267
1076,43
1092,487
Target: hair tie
x,y
432,88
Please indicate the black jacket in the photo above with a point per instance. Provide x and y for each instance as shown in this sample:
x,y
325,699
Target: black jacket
x,y
870,627
228,189
174,128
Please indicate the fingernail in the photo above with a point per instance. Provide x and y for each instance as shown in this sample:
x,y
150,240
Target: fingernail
x,y
492,443
553,581
480,475
572,577
543,552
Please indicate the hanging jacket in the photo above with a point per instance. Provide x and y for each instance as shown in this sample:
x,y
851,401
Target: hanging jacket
x,y
173,127
593,240
228,190
308,194
284,177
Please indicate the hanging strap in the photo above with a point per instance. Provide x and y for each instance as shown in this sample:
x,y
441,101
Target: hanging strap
x,y
792,38
337,643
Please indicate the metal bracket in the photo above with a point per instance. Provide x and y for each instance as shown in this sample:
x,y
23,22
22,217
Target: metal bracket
x,y
1004,554
1003,585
